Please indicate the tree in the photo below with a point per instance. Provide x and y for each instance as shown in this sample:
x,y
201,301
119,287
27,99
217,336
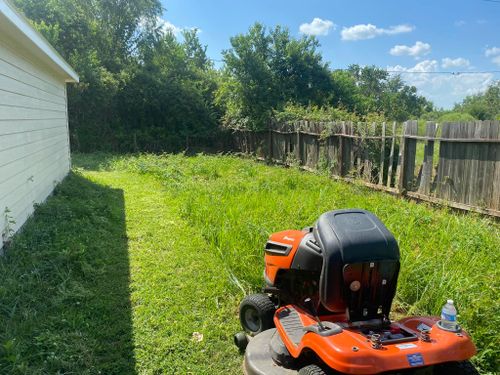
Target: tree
x,y
249,93
298,70
483,106
195,51
370,89
169,98
265,70
345,92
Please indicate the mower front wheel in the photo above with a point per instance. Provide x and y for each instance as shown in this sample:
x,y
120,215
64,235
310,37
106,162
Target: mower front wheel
x,y
241,341
256,313
312,370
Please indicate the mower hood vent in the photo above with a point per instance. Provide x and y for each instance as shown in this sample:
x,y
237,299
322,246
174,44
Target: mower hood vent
x,y
277,248
313,245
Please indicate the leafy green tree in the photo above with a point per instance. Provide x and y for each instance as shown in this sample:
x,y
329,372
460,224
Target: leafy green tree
x,y
371,82
252,93
483,106
195,51
170,95
266,70
298,70
370,89
345,92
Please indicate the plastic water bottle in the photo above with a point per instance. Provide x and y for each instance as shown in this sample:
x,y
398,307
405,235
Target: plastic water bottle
x,y
449,315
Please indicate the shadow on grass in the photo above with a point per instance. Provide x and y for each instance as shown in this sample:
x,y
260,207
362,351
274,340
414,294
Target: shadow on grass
x,y
64,287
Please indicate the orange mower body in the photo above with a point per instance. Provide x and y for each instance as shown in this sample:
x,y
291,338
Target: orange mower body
x,y
326,307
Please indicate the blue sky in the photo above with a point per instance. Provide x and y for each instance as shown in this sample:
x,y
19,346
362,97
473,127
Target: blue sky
x,y
407,36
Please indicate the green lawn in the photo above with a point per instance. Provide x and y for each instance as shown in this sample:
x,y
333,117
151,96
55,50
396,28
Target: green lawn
x,y
137,264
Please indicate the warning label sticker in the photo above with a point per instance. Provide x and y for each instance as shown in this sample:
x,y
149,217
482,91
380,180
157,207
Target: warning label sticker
x,y
406,346
415,359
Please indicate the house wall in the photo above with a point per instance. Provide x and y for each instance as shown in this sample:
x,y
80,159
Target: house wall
x,y
34,142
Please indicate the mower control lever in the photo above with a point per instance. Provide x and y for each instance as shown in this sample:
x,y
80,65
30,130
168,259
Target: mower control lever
x,y
309,304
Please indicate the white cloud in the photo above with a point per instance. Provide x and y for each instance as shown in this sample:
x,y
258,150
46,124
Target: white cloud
x,y
417,50
421,67
460,23
443,89
493,51
166,26
369,31
459,62
317,27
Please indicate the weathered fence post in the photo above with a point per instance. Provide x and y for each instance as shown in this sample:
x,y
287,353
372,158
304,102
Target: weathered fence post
x,y
340,158
391,155
367,164
270,142
298,152
398,183
407,151
360,146
427,167
382,156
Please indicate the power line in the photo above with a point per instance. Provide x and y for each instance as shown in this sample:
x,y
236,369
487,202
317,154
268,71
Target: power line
x,y
454,73
457,73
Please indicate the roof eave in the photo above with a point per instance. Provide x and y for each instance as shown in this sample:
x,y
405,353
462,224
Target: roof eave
x,y
24,26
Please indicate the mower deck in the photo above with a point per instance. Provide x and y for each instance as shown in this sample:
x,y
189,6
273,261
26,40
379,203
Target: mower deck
x,y
258,360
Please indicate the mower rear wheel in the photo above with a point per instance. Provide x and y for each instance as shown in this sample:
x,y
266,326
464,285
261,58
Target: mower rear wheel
x,y
256,313
455,368
312,370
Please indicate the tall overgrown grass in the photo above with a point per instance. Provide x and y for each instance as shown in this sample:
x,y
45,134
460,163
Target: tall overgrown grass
x,y
237,203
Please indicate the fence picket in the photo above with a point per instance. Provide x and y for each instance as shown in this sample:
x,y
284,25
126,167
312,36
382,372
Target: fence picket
x,y
427,167
391,155
382,156
399,174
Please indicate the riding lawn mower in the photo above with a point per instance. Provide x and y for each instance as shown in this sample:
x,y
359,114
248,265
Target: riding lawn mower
x,y
325,307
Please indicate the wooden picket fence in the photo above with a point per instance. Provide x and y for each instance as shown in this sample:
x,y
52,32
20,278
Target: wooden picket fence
x,y
454,164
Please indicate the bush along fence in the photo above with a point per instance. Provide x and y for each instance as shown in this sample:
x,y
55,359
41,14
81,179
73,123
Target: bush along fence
x,y
454,164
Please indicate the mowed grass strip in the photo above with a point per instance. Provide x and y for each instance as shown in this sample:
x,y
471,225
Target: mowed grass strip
x,y
86,291
183,303
171,243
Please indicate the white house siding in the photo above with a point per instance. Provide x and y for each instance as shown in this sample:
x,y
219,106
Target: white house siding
x,y
34,143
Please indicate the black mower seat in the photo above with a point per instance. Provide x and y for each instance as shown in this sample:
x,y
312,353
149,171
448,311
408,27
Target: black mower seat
x,y
360,263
